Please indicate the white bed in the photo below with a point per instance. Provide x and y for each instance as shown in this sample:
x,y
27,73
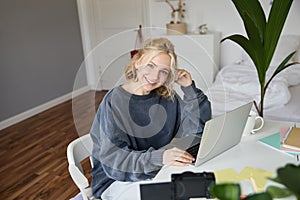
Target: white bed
x,y
237,84
291,110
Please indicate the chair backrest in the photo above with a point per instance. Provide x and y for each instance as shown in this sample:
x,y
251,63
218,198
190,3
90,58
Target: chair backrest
x,y
78,150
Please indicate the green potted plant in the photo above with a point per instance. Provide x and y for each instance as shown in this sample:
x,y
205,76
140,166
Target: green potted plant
x,y
263,36
288,176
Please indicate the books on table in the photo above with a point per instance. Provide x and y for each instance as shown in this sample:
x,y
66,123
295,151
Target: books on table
x,y
291,139
276,141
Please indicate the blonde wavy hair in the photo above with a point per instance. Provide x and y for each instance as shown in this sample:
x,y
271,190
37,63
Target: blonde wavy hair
x,y
154,47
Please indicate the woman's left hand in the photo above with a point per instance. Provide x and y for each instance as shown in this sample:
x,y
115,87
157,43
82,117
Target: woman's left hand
x,y
177,157
183,78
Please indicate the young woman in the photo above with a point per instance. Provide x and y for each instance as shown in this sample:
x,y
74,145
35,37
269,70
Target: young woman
x,y
137,119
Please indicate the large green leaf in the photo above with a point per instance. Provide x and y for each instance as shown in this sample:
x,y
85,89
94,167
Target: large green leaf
x,y
259,196
253,32
254,11
254,51
278,192
274,26
226,191
290,176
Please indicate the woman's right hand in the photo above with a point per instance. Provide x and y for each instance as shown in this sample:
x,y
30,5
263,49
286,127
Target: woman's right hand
x,y
177,157
183,78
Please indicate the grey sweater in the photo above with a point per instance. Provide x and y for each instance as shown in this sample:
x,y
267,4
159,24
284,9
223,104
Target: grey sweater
x,y
129,130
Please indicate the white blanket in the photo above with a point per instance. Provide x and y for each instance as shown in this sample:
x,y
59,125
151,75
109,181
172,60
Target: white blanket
x,y
238,84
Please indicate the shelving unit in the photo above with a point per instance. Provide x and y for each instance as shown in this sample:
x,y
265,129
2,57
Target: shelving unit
x,y
199,54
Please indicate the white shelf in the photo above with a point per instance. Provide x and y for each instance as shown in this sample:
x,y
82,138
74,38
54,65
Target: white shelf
x,y
199,54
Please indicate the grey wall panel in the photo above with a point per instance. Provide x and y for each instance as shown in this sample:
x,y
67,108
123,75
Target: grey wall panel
x,y
40,53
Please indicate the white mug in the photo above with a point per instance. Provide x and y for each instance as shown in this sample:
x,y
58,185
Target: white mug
x,y
254,123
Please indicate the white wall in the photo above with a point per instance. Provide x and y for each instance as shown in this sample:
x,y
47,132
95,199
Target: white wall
x,y
101,19
40,57
219,15
109,34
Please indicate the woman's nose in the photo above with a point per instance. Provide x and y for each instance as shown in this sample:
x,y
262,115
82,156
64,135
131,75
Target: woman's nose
x,y
155,74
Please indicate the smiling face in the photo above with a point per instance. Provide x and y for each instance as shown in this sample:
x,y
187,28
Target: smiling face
x,y
152,73
152,68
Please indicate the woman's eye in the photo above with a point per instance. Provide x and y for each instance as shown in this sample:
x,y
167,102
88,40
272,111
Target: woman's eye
x,y
150,65
164,72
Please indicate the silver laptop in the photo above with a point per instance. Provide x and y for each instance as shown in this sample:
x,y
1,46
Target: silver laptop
x,y
220,134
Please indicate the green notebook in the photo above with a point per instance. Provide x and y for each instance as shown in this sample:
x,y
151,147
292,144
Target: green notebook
x,y
274,141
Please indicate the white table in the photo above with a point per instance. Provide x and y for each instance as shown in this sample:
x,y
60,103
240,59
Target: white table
x,y
249,152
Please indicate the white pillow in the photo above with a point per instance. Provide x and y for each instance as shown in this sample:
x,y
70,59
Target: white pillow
x,y
291,75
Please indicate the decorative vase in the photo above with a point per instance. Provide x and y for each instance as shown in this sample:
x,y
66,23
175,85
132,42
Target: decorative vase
x,y
203,29
176,29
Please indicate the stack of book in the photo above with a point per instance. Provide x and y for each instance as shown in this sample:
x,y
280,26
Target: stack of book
x,y
290,139
287,140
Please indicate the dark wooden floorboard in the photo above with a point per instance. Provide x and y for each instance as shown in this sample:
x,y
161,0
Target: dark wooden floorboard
x,y
33,152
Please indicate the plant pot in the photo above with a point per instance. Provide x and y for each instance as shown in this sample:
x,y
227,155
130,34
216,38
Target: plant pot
x,y
176,29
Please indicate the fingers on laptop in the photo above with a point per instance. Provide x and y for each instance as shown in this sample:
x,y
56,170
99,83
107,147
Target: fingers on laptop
x,y
178,157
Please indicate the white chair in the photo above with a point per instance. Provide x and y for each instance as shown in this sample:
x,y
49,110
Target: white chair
x,y
78,150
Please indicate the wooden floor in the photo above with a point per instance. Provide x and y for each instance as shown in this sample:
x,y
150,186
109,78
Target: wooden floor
x,y
33,152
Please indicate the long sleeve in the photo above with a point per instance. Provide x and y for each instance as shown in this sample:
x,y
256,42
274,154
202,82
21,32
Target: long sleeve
x,y
195,111
129,131
112,149
119,132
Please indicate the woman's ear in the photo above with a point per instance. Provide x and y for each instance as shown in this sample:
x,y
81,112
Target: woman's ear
x,y
138,62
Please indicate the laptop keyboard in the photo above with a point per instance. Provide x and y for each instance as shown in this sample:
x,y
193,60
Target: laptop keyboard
x,y
193,150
